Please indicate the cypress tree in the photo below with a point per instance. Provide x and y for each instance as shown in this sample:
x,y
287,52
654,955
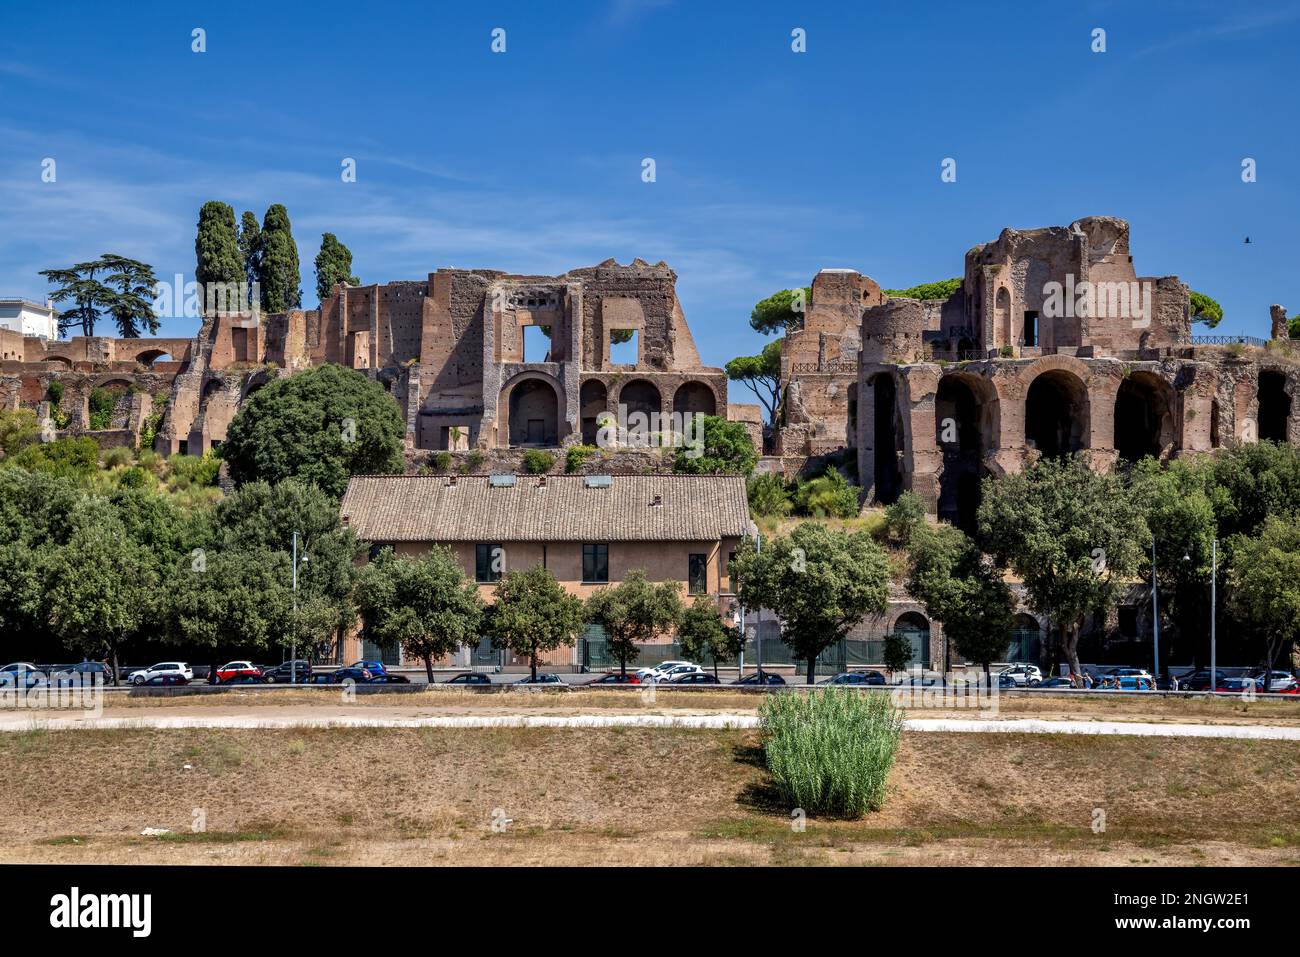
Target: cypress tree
x,y
278,269
333,265
250,245
216,246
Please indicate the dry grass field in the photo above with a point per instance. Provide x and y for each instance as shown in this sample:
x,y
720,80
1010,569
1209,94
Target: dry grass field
x,y
428,796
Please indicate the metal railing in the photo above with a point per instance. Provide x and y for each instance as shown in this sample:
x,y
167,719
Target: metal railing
x,y
1229,341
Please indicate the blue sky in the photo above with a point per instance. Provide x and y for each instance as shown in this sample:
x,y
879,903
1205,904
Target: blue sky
x,y
770,164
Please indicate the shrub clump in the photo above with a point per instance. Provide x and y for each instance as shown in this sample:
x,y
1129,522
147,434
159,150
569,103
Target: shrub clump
x,y
537,462
830,751
769,496
827,496
577,456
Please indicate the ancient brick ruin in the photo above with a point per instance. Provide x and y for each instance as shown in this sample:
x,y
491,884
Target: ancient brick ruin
x,y
451,350
1052,345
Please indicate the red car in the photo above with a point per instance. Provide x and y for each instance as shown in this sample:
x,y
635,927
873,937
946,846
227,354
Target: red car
x,y
614,678
238,671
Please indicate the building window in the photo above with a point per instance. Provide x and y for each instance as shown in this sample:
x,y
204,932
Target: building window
x,y
595,563
698,575
1031,327
489,560
375,549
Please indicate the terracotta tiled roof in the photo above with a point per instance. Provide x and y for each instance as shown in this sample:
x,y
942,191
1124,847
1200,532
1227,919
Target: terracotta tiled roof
x,y
427,508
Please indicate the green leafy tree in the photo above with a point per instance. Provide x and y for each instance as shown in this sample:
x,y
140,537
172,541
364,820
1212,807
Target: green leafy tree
x,y
896,652
904,517
223,599
1204,309
769,496
130,304
943,289
633,612
425,605
250,248
333,265
216,248
1253,481
1074,536
781,312
321,425
1264,586
820,583
69,458
701,632
724,447
533,614
103,586
279,275
762,374
19,428
827,496
960,588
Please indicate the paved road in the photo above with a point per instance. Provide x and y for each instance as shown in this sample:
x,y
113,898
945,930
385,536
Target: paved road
x,y
18,721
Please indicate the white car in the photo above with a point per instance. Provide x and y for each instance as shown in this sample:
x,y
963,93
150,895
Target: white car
x,y
675,672
1024,675
1278,681
162,668
656,672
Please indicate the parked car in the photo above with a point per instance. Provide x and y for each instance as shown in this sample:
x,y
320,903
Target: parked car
x,y
321,678
856,678
142,675
1236,685
1057,682
388,678
693,678
374,667
288,672
541,679
668,674
470,678
1277,681
616,678
354,674
165,678
918,681
83,671
1124,671
654,672
233,671
1006,681
1024,675
1133,683
21,674
760,678
1197,681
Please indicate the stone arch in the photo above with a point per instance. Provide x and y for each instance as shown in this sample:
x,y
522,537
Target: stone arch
x,y
593,399
1144,416
966,429
888,437
62,360
1057,411
1274,405
530,411
641,395
148,357
115,384
692,397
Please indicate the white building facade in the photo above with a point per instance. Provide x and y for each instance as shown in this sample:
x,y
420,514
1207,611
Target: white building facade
x,y
29,318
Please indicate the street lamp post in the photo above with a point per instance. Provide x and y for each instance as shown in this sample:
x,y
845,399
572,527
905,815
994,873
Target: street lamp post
x,y
1214,574
1155,611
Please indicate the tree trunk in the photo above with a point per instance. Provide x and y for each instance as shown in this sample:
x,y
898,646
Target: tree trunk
x,y
812,670
428,668
532,664
988,676
1070,641
115,667
622,666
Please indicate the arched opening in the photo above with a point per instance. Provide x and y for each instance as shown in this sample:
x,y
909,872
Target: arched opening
x,y
1143,417
1002,318
212,388
1274,406
150,357
1026,640
1056,414
641,396
914,626
963,428
694,397
534,414
888,439
63,361
594,399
